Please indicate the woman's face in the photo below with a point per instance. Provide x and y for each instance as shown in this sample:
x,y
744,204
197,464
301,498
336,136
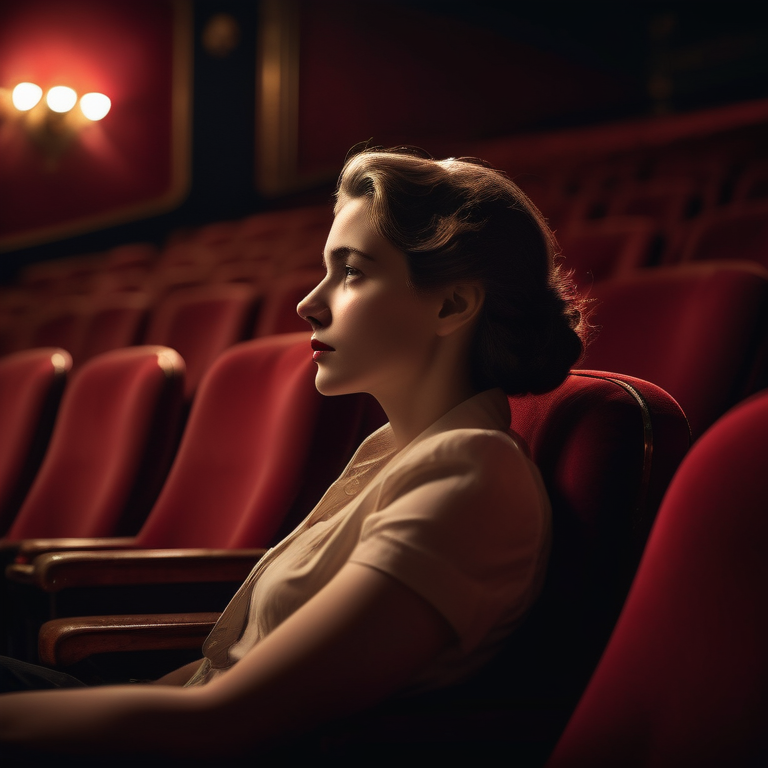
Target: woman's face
x,y
372,331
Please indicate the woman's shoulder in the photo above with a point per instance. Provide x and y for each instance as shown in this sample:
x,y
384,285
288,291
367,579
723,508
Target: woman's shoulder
x,y
475,486
472,445
486,459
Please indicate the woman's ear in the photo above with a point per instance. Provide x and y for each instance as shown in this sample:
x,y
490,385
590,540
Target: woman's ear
x,y
461,305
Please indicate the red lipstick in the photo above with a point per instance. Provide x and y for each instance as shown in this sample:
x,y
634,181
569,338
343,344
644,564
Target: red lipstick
x,y
319,349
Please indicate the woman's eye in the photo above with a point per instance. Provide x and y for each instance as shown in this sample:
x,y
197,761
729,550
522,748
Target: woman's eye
x,y
350,272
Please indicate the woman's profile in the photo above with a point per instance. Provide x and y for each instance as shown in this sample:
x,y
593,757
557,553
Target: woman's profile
x,y
441,298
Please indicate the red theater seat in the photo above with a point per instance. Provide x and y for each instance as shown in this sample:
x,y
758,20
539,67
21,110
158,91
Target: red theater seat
x,y
59,322
17,308
599,248
682,683
278,309
57,278
697,330
110,449
112,321
260,447
112,443
739,231
31,384
752,182
126,267
200,322
667,201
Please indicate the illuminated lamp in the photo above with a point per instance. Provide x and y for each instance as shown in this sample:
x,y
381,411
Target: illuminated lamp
x,y
60,98
95,106
26,96
51,123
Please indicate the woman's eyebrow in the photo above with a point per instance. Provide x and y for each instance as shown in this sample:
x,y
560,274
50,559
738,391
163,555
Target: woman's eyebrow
x,y
341,253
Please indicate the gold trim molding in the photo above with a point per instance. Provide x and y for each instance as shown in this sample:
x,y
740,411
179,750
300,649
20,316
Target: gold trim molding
x,y
277,101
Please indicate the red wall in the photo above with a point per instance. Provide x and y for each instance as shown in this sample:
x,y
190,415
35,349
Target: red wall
x,y
122,167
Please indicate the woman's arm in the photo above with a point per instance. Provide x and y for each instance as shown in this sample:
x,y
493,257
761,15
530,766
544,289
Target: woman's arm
x,y
358,640
180,676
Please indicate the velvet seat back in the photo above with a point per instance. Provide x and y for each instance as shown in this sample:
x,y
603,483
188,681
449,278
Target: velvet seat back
x,y
699,331
110,449
260,447
683,682
607,446
200,322
737,232
600,248
114,320
31,385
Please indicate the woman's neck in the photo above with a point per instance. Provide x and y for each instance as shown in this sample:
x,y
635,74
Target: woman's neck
x,y
411,414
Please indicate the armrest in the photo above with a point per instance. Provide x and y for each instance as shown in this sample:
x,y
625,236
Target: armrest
x,y
64,642
54,571
27,550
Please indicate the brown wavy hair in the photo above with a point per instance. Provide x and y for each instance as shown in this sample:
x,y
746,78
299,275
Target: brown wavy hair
x,y
461,220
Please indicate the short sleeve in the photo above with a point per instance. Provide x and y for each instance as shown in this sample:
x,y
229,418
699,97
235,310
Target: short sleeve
x,y
465,524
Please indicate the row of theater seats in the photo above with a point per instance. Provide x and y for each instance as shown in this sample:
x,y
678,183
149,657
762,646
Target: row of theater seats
x,y
258,449
697,329
689,200
187,295
261,444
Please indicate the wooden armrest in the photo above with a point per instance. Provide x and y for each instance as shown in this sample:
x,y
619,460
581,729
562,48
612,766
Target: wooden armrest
x,y
54,571
28,549
64,642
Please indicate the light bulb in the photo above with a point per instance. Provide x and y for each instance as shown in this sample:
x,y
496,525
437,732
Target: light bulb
x,y
26,95
95,106
61,99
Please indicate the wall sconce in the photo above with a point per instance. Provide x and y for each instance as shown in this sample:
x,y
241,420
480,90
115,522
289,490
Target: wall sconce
x,y
52,122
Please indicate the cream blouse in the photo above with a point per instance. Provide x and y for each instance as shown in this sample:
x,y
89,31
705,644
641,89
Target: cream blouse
x,y
460,516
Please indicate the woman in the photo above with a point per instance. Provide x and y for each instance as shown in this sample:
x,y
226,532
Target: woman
x,y
441,297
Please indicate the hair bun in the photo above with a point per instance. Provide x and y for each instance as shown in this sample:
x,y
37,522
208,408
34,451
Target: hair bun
x,y
531,348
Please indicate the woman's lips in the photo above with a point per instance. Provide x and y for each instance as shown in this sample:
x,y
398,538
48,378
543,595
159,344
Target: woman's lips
x,y
319,349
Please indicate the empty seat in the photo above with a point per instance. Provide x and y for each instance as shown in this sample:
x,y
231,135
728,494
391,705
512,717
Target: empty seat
x,y
697,330
56,278
112,321
600,248
110,449
752,182
682,682
666,201
17,304
284,221
130,255
200,322
31,384
670,203
126,267
737,232
277,313
57,323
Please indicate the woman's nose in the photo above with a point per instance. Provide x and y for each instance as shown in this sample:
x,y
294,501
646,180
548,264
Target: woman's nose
x,y
312,309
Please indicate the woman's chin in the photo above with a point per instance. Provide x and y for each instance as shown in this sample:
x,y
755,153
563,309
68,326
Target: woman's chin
x,y
325,385
330,387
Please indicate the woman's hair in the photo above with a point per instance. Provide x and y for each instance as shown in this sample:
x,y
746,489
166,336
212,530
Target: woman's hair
x,y
459,220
